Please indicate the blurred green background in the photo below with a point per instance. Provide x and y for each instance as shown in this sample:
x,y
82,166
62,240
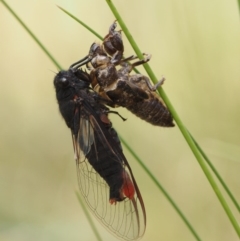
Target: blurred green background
x,y
194,44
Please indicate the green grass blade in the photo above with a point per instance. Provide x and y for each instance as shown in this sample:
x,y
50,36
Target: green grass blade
x,y
182,128
82,23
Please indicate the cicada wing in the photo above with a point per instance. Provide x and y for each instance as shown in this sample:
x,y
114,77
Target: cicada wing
x,y
125,219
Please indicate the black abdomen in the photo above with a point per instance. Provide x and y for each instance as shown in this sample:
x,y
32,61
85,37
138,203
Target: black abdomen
x,y
107,165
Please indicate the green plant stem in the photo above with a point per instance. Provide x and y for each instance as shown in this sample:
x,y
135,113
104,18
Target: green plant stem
x,y
81,22
182,128
238,5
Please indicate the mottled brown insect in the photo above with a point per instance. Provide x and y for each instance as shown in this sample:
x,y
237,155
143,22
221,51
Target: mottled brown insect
x,y
111,78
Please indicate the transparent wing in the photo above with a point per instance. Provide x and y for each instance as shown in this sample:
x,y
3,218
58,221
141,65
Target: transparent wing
x,y
100,165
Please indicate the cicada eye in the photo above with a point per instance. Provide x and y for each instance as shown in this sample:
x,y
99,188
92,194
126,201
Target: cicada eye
x,y
64,82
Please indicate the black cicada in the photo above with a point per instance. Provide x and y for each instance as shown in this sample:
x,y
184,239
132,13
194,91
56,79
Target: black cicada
x,y
104,175
135,92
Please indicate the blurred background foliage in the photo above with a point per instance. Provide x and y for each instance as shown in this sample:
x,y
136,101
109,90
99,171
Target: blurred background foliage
x,y
194,44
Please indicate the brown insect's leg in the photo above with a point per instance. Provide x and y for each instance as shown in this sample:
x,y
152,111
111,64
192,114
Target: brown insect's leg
x,y
132,57
154,88
139,62
159,83
115,112
142,61
116,58
112,27
149,83
113,44
128,67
